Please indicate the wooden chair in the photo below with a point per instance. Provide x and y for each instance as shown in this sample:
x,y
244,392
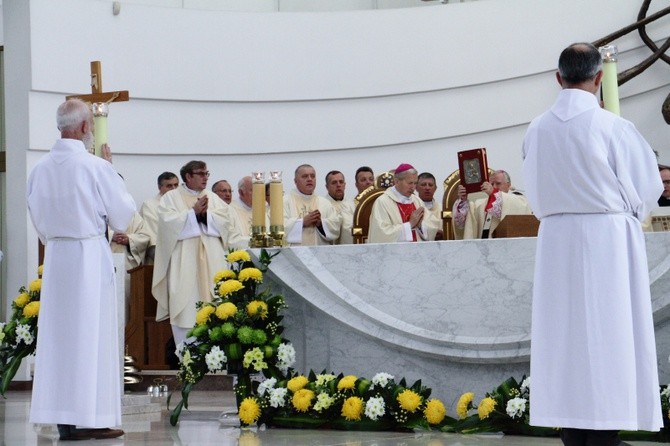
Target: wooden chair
x,y
364,202
450,196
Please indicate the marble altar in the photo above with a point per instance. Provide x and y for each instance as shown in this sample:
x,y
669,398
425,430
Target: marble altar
x,y
455,314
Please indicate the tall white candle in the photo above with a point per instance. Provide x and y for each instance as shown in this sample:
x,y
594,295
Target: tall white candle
x,y
610,83
100,112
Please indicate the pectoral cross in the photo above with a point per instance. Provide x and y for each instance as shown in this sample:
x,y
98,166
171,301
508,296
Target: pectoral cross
x,y
99,100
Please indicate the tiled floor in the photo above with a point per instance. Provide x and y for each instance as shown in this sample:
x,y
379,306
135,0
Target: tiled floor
x,y
201,426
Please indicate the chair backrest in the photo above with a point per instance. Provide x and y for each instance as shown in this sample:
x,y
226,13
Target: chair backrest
x,y
364,202
450,196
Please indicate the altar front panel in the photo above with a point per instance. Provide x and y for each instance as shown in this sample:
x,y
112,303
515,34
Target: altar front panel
x,y
455,314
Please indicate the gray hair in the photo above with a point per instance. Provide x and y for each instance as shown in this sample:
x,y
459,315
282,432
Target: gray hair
x,y
579,62
505,175
242,182
402,175
71,114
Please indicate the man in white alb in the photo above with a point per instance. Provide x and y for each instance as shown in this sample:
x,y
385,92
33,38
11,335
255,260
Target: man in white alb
x,y
590,178
72,197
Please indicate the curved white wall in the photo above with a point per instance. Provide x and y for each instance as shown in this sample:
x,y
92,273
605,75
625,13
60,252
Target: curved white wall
x,y
335,89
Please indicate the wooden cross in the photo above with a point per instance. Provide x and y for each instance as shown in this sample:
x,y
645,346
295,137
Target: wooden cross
x,y
97,95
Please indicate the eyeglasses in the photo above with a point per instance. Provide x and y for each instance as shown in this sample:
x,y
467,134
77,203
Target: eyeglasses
x,y
202,174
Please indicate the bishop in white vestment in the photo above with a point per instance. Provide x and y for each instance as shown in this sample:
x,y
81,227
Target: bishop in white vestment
x,y
590,178
398,215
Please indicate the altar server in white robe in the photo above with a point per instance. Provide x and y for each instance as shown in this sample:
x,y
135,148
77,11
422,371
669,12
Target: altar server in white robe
x,y
590,178
309,219
399,215
195,231
481,218
72,197
345,207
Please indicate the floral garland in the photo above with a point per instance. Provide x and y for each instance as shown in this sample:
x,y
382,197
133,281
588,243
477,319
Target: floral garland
x,y
17,337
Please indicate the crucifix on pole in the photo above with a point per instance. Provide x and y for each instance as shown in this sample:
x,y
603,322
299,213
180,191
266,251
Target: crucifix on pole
x,y
99,100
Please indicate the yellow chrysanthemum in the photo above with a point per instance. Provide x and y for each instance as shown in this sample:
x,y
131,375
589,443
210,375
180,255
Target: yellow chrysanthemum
x,y
251,274
238,256
257,308
464,404
224,274
249,411
22,300
226,310
346,383
203,314
296,383
302,400
229,287
485,407
35,285
32,309
352,408
434,411
40,270
409,400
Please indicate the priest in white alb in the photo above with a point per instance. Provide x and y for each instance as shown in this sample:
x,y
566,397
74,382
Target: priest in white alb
x,y
149,211
195,231
309,219
345,207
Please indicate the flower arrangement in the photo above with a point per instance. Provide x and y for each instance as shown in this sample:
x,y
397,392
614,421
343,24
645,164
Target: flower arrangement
x,y
239,331
342,402
18,336
505,409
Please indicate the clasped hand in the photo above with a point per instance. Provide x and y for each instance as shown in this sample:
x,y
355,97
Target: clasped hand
x,y
312,218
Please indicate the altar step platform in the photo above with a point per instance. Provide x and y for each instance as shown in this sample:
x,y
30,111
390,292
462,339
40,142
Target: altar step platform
x,y
211,381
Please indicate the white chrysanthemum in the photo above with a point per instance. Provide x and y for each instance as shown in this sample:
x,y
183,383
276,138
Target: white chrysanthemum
x,y
375,408
266,385
285,357
278,397
322,380
179,351
323,401
381,379
666,392
23,334
525,384
516,407
215,359
2,332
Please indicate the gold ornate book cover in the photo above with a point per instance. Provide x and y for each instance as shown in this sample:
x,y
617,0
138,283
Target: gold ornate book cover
x,y
474,169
